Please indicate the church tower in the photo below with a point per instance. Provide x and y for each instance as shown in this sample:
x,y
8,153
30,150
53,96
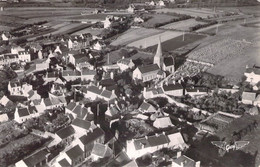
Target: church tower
x,y
158,58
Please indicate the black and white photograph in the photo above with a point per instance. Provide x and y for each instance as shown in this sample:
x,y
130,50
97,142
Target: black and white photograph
x,y
129,83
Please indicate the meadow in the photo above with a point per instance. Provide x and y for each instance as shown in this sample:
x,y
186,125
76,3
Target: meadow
x,y
153,40
182,25
134,34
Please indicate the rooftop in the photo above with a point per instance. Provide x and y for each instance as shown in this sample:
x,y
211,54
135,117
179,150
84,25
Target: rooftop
x,y
36,158
65,132
92,136
149,68
171,87
81,123
74,152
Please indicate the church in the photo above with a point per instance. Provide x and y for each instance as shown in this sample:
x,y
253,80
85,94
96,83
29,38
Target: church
x,y
157,69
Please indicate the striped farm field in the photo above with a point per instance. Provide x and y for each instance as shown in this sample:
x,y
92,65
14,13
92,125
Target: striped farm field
x,y
182,25
153,40
135,34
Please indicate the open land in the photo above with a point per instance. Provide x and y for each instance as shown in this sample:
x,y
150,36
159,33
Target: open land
x,y
153,40
177,42
194,12
230,56
14,17
157,19
183,25
133,34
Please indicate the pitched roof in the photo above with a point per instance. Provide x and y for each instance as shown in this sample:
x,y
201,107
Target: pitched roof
x,y
145,106
64,163
171,87
196,90
176,138
124,61
106,93
168,61
65,132
95,89
151,141
86,71
254,70
75,152
101,150
186,161
81,123
10,56
162,122
79,58
92,136
22,112
53,74
36,158
70,73
149,68
248,96
81,111
71,106
47,102
112,111
157,140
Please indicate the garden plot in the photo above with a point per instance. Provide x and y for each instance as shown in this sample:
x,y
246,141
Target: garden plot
x,y
153,40
88,30
184,25
132,35
157,19
194,12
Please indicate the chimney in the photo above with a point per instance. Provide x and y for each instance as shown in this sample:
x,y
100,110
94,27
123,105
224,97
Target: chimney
x,y
104,88
173,82
178,154
179,81
197,164
90,130
113,91
124,98
100,87
89,109
156,134
182,164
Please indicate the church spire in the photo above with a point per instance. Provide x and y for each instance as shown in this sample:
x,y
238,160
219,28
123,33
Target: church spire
x,y
158,59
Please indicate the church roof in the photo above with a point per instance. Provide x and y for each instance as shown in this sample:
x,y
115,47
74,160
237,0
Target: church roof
x,y
168,61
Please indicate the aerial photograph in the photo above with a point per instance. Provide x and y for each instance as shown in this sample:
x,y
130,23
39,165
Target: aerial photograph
x,y
129,83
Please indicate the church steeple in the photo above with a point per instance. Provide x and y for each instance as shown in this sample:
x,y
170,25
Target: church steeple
x,y
158,58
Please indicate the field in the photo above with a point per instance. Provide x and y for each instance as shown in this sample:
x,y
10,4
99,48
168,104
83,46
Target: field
x,y
177,42
14,17
230,55
194,12
133,34
157,19
182,25
88,30
219,51
153,40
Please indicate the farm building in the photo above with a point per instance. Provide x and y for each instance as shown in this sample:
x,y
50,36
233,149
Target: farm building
x,y
253,75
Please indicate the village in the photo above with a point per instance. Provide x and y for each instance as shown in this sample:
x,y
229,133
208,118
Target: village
x,y
114,99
